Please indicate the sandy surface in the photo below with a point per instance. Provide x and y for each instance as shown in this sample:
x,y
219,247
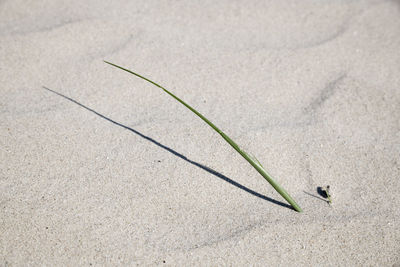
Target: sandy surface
x,y
103,168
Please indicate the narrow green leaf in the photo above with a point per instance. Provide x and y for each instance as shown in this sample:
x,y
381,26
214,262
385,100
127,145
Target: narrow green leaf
x,y
252,160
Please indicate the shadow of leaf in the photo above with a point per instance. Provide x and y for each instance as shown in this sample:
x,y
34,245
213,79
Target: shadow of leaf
x,y
179,155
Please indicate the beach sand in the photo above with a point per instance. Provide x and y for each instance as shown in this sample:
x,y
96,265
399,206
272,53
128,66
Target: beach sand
x,y
98,167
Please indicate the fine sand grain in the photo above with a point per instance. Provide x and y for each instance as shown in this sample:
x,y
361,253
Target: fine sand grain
x,y
98,167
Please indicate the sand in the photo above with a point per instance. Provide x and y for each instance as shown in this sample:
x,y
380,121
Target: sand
x,y
102,168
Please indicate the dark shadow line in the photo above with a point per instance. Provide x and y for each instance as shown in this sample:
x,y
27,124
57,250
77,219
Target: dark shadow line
x,y
219,175
320,198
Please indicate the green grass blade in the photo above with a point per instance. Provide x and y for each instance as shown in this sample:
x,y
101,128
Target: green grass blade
x,y
252,160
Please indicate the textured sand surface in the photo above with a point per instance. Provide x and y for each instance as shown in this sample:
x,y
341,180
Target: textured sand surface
x,y
102,168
